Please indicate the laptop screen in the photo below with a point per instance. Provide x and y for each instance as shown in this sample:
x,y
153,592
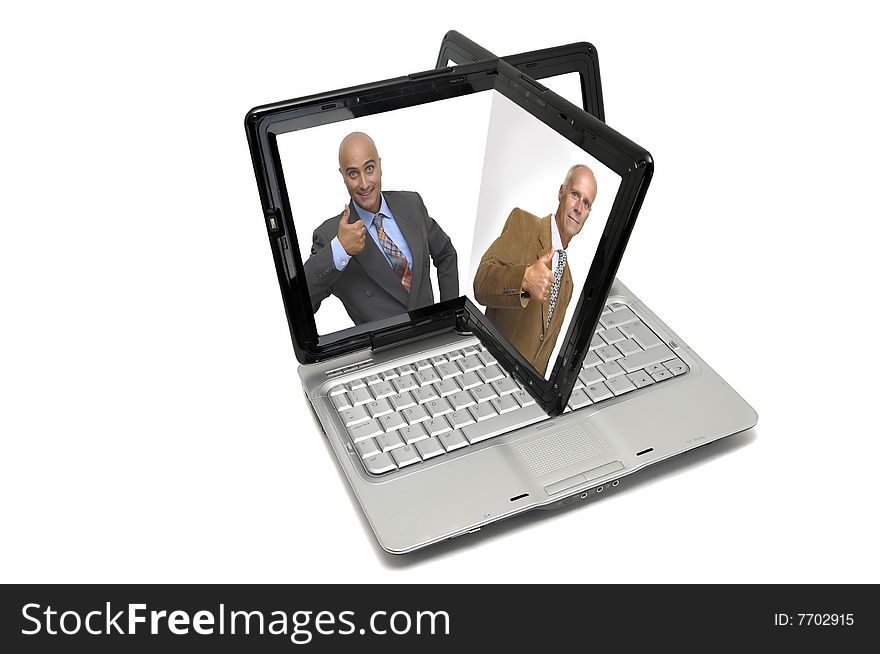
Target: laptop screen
x,y
543,207
473,196
427,162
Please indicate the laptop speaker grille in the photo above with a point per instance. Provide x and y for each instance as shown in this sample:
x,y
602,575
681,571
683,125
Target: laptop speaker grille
x,y
561,449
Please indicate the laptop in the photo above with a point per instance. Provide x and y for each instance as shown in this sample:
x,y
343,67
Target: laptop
x,y
450,411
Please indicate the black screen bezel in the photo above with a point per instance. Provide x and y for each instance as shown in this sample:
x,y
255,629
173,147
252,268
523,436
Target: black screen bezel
x,y
581,58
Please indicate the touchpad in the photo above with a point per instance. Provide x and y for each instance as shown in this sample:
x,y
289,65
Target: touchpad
x,y
569,451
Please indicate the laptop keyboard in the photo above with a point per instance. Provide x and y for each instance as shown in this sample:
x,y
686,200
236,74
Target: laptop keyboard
x,y
412,413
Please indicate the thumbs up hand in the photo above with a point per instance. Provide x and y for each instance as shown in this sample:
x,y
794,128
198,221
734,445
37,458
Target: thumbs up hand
x,y
538,278
352,236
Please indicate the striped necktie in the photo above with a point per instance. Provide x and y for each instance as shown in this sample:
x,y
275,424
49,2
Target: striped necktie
x,y
557,279
398,262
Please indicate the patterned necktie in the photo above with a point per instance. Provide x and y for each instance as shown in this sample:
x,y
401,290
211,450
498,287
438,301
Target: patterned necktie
x,y
554,290
398,262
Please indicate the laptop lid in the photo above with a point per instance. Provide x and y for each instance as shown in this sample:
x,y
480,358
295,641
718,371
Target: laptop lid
x,y
581,59
434,118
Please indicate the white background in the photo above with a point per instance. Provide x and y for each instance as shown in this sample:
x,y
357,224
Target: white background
x,y
153,426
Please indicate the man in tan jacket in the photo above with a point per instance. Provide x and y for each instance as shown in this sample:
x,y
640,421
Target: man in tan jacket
x,y
523,279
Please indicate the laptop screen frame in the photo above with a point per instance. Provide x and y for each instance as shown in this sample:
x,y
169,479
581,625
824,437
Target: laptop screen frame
x,y
581,58
634,165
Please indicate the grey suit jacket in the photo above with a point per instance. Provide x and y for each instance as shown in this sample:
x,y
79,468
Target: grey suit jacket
x,y
367,286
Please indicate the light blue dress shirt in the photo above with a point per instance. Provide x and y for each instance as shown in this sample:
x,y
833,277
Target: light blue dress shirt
x,y
392,230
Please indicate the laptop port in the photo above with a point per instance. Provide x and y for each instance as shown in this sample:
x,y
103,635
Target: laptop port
x,y
599,489
584,495
616,482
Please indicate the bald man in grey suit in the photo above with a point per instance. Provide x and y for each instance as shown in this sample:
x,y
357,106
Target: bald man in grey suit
x,y
374,256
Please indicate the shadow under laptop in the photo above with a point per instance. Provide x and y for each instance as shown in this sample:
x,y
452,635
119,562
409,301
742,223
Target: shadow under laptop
x,y
637,481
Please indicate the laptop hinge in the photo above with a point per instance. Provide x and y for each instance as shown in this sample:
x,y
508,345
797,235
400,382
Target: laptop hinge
x,y
463,323
414,331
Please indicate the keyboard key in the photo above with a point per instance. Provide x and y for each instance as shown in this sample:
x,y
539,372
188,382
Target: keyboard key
x,y
391,422
579,399
629,346
405,456
454,355
483,393
461,399
660,375
596,341
372,379
459,419
505,386
446,387
379,464
482,412
447,370
608,353
618,318
469,380
676,367
415,414
436,426
367,448
504,404
592,359
382,389
470,349
503,423
388,375
364,430
422,364
487,358
452,440
620,385
640,378
413,433
524,398
470,362
426,394
642,335
427,376
598,392
353,416
437,360
591,376
359,396
355,384
611,336
336,390
579,382
388,442
429,448
341,402
402,401
491,373
405,383
378,408
616,306
642,360
610,370
438,407
407,369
